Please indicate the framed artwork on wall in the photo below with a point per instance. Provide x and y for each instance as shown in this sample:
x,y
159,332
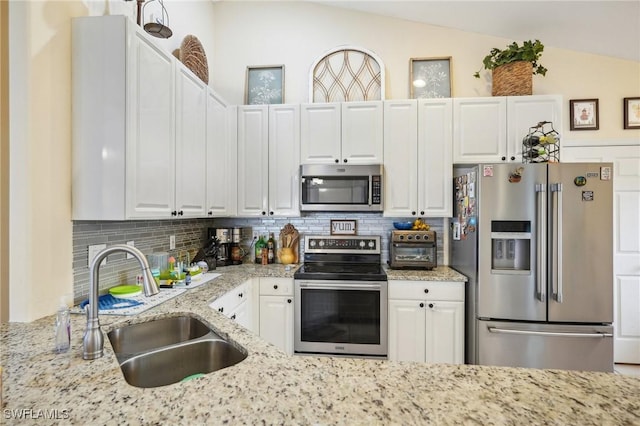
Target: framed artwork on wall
x,y
584,114
632,113
430,77
264,85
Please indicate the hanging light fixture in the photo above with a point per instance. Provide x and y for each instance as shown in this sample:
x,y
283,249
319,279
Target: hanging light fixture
x,y
160,28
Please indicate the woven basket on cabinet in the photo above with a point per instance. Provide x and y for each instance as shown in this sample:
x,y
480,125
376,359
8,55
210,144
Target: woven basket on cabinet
x,y
513,79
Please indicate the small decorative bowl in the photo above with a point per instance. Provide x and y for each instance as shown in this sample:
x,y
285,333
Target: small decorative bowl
x,y
403,225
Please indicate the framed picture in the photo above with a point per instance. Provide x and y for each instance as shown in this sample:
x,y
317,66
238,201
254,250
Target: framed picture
x,y
343,227
430,77
632,113
584,114
264,85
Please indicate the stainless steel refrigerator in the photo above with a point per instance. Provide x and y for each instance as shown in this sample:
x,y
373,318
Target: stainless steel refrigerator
x,y
536,242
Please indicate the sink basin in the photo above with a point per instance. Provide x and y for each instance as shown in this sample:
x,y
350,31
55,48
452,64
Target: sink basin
x,y
168,350
179,362
133,339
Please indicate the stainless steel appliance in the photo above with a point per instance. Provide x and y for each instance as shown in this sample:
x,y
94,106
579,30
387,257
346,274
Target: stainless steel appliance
x,y
341,297
413,250
224,242
333,187
535,241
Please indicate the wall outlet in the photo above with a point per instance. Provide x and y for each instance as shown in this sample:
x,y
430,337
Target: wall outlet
x,y
256,235
132,244
172,242
93,251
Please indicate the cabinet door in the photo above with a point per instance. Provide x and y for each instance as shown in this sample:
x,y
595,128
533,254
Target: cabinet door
x,y
150,164
284,160
253,158
362,132
221,157
400,159
480,131
242,315
435,170
406,330
524,112
320,133
190,153
276,321
444,340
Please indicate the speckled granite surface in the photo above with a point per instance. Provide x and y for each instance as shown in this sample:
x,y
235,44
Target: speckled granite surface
x,y
273,388
441,273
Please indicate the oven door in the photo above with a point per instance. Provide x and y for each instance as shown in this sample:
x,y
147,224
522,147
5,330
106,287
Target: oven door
x,y
341,317
419,255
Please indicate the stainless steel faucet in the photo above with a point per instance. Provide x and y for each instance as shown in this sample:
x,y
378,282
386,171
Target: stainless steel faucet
x,y
93,341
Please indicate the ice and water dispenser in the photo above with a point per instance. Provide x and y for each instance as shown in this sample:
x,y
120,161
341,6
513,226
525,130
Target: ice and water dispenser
x,y
510,246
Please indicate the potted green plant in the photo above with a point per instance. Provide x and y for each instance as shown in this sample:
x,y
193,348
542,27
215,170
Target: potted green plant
x,y
513,67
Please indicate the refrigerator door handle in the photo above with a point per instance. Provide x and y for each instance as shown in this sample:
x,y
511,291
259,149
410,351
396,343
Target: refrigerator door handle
x,y
556,280
547,333
541,252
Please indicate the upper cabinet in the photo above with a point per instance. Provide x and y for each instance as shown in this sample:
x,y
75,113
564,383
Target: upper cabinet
x,y
491,129
349,132
139,126
222,157
268,160
417,157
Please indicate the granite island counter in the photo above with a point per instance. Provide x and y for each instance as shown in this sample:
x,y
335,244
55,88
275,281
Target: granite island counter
x,y
272,387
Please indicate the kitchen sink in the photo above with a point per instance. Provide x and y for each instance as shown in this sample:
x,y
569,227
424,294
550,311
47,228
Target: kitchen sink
x,y
168,350
179,362
132,339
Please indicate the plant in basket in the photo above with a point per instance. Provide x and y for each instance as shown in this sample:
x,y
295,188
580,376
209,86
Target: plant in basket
x,y
513,67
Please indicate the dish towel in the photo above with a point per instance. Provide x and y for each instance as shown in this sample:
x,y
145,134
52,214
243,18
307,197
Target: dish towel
x,y
107,301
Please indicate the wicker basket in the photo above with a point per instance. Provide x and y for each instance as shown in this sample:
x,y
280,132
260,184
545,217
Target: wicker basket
x,y
513,79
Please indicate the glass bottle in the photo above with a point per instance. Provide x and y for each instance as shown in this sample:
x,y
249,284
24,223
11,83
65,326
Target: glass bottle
x,y
62,328
271,247
259,245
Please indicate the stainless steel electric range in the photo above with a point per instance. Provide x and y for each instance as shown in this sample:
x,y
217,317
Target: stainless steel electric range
x,y
341,297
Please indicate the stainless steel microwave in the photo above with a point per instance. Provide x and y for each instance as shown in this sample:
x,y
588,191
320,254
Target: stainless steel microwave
x,y
335,187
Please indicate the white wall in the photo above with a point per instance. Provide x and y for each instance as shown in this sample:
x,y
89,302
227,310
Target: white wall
x,y
297,33
234,35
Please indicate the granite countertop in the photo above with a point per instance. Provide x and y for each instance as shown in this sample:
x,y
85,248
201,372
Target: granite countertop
x,y
440,273
272,387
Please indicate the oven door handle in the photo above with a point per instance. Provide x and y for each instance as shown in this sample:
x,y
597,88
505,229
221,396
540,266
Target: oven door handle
x,y
310,286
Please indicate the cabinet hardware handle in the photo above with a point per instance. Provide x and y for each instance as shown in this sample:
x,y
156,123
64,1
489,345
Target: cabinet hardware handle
x,y
288,300
513,158
264,213
413,213
271,213
421,213
422,305
431,305
426,290
240,295
210,213
275,286
174,213
504,158
180,213
233,316
337,161
220,309
345,160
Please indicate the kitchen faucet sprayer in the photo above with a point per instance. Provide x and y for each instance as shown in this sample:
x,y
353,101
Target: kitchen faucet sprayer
x,y
93,341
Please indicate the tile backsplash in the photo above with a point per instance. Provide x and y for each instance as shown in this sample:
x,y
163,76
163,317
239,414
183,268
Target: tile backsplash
x,y
152,236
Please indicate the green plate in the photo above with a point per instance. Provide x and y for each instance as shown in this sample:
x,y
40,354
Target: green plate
x,y
125,290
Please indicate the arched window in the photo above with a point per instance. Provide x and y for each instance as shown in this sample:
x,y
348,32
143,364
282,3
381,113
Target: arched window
x,y
347,73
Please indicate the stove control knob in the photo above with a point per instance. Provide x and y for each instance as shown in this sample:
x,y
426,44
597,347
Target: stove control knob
x,y
418,237
361,244
321,243
410,237
312,243
372,244
402,237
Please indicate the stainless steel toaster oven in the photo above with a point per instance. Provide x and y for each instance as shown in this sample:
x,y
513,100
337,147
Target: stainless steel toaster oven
x,y
413,250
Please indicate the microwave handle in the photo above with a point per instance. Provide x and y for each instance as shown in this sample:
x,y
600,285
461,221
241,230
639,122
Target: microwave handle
x,y
370,190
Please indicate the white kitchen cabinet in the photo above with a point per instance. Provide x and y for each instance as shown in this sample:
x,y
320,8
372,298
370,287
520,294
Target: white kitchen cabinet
x,y
268,160
418,157
138,125
349,132
491,129
222,156
426,321
191,96
276,312
237,304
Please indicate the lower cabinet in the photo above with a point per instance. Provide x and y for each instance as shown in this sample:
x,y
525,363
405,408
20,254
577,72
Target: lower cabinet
x,y
276,312
237,304
426,321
